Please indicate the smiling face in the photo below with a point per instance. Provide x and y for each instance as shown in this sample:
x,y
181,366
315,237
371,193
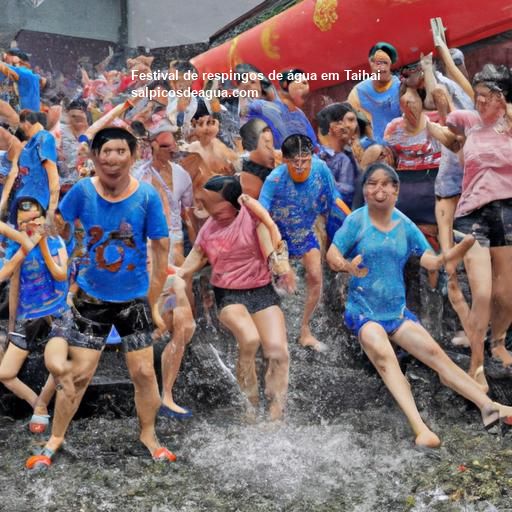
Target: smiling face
x,y
380,192
113,163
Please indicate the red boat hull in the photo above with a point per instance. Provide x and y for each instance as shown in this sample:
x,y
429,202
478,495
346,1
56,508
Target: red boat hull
x,y
331,36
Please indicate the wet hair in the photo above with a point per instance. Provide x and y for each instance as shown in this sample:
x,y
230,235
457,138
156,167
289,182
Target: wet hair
x,y
497,78
387,48
32,117
227,186
16,52
183,66
78,104
113,133
331,114
251,133
376,166
289,75
296,145
202,110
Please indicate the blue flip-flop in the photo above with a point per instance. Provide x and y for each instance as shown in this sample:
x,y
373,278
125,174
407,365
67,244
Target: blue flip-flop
x,y
167,412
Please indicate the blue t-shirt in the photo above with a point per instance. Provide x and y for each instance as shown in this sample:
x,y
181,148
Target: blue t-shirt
x,y
282,121
32,180
294,207
116,234
380,295
28,88
40,294
5,168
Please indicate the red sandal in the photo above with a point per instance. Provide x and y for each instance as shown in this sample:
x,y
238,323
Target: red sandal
x,y
40,462
163,455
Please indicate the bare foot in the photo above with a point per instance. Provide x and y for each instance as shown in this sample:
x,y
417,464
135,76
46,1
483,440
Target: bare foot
x,y
479,378
275,411
500,353
149,440
428,439
308,340
460,339
492,413
175,407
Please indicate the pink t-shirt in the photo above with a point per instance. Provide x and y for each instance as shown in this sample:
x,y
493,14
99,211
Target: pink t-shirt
x,y
487,161
234,252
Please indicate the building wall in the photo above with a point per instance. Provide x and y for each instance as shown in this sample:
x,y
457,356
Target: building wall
x,y
91,19
160,23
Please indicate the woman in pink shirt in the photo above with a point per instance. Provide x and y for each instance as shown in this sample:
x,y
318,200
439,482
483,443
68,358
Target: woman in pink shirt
x,y
485,210
233,241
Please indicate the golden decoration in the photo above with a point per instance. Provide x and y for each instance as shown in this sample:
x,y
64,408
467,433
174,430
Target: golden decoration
x,y
233,57
268,41
325,14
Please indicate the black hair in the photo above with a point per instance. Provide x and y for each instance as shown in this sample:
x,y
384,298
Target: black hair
x,y
376,166
77,104
202,110
16,52
113,133
330,114
289,75
183,66
497,78
296,145
251,133
32,117
227,186
138,129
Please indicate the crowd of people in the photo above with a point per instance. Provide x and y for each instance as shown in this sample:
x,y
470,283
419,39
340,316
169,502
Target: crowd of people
x,y
112,202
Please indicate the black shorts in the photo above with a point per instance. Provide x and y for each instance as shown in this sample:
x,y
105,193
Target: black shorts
x,y
94,319
33,334
417,198
491,224
254,299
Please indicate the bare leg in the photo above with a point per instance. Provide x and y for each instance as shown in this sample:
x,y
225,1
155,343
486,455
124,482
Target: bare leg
x,y
61,369
272,329
182,327
478,267
237,319
313,264
501,311
84,361
413,337
45,396
9,368
377,347
147,399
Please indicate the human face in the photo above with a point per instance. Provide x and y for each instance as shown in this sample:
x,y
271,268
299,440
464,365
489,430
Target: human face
x,y
181,84
113,163
77,120
380,192
489,104
265,149
381,64
299,167
298,91
350,124
27,212
165,146
411,106
250,84
206,128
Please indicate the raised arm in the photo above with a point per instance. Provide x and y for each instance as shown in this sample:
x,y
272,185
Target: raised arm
x,y
451,68
7,71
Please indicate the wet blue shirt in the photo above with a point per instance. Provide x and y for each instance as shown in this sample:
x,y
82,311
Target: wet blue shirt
x,y
32,180
5,167
28,88
116,234
380,295
40,294
282,121
294,207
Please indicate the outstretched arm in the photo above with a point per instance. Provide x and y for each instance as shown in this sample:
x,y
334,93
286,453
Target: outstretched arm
x,y
256,207
432,261
195,261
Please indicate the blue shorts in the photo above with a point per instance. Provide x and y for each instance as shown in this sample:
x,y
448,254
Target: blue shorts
x,y
354,323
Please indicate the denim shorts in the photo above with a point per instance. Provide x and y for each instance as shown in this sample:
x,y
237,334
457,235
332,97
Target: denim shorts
x,y
491,224
355,323
94,319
